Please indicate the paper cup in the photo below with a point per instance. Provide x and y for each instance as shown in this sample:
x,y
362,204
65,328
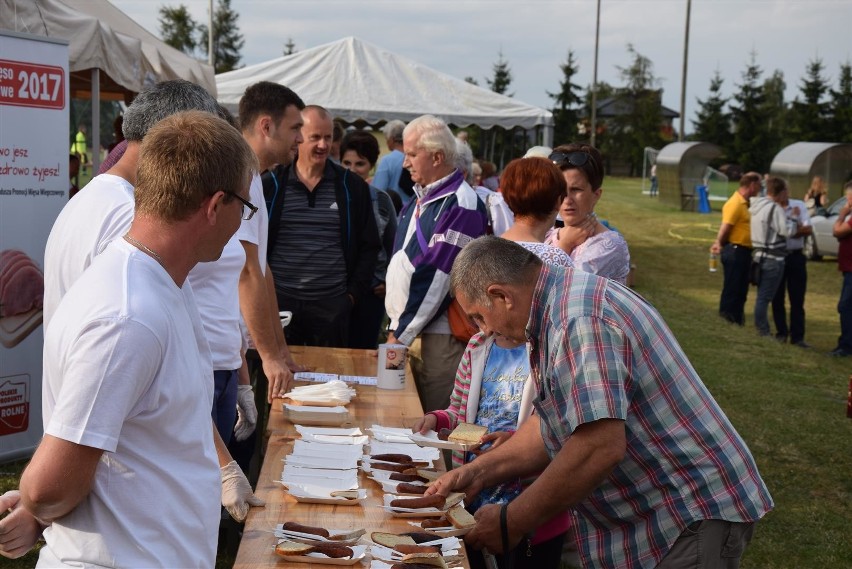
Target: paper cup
x,y
391,366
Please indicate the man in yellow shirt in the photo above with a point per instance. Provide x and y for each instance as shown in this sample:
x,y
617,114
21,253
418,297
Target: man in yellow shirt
x,y
79,147
733,242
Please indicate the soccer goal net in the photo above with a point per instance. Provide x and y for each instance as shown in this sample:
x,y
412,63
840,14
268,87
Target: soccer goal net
x,y
717,184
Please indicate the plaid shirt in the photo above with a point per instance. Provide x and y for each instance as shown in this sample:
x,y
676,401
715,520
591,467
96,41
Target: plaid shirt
x,y
600,351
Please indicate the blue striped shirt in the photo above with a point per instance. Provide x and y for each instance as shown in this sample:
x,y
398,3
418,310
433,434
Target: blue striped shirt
x,y
598,351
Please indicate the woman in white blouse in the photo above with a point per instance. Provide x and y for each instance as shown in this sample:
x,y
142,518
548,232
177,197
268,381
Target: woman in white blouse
x,y
593,247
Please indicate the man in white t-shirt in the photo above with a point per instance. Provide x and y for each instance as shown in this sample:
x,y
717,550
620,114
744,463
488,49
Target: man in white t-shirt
x,y
127,473
271,122
104,212
86,225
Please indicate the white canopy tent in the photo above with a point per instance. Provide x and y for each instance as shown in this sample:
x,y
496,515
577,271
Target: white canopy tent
x,y
357,81
110,55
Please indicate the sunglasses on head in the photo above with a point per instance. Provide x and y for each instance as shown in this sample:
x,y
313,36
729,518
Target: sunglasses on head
x,y
576,158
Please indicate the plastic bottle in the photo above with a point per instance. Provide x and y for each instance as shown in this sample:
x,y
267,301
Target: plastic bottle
x,y
714,262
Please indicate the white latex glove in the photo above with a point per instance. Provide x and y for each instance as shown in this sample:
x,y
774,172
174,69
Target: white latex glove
x,y
246,413
237,495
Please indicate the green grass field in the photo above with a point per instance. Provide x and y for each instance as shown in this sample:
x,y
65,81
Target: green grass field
x,y
788,403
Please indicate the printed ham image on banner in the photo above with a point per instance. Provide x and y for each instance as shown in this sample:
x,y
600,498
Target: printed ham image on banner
x,y
21,296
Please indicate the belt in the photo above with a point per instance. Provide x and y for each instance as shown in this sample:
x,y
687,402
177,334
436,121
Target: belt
x,y
735,246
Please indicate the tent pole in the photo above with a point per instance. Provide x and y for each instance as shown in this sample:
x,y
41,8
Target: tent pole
x,y
210,58
96,120
548,135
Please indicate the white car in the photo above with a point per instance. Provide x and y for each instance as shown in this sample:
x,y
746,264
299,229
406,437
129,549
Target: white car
x,y
822,242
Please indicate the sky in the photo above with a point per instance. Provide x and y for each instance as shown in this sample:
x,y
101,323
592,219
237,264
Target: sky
x,y
465,37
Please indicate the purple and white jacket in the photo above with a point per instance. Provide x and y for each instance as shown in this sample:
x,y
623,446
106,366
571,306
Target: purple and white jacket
x,y
449,215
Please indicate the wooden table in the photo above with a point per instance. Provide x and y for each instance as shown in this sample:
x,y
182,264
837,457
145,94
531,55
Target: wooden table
x,y
389,408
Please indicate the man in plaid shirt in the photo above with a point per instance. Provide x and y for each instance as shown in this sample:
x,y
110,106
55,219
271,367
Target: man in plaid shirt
x,y
627,435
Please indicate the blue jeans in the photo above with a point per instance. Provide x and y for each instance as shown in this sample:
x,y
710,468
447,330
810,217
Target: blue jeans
x,y
225,401
844,307
772,271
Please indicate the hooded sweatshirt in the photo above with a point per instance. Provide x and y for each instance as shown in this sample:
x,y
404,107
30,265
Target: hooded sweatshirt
x,y
769,227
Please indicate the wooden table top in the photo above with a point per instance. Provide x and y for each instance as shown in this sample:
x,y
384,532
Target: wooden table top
x,y
390,408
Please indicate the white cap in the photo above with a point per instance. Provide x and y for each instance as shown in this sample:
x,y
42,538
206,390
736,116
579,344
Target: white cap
x,y
539,152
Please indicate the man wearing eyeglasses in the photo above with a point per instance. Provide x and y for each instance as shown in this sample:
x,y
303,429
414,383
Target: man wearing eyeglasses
x,y
127,472
323,241
103,211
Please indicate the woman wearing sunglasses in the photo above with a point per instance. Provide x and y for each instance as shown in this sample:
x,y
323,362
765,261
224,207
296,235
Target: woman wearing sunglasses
x,y
593,247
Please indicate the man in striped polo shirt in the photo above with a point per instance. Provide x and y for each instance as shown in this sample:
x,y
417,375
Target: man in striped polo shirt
x,y
626,433
323,241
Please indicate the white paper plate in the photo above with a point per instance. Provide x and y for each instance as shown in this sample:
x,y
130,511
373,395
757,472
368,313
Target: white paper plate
x,y
281,533
448,532
313,498
417,453
333,431
398,512
431,439
389,487
324,462
359,552
308,448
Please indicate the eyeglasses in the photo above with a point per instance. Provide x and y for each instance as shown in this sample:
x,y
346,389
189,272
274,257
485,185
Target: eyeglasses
x,y
576,158
252,209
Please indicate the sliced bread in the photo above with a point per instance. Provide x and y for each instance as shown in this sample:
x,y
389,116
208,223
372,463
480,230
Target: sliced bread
x,y
430,559
467,433
391,539
460,517
286,548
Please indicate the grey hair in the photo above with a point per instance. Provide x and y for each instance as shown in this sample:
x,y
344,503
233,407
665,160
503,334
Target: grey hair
x,y
433,136
464,160
491,260
162,100
393,130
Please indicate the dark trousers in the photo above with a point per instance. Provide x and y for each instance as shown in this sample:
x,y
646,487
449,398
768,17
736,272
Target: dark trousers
x,y
844,307
323,322
736,261
366,321
794,283
544,555
225,401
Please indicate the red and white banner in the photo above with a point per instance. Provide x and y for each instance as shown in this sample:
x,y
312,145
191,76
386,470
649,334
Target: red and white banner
x,y
34,183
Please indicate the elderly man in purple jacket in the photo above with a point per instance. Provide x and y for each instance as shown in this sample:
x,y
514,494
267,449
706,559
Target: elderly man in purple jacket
x,y
433,229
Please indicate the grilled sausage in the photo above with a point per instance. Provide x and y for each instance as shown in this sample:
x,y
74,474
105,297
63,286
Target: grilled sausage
x,y
335,551
392,467
399,458
436,523
293,526
433,501
404,488
420,536
403,548
400,477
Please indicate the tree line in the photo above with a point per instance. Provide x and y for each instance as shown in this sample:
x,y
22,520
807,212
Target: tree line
x,y
751,126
